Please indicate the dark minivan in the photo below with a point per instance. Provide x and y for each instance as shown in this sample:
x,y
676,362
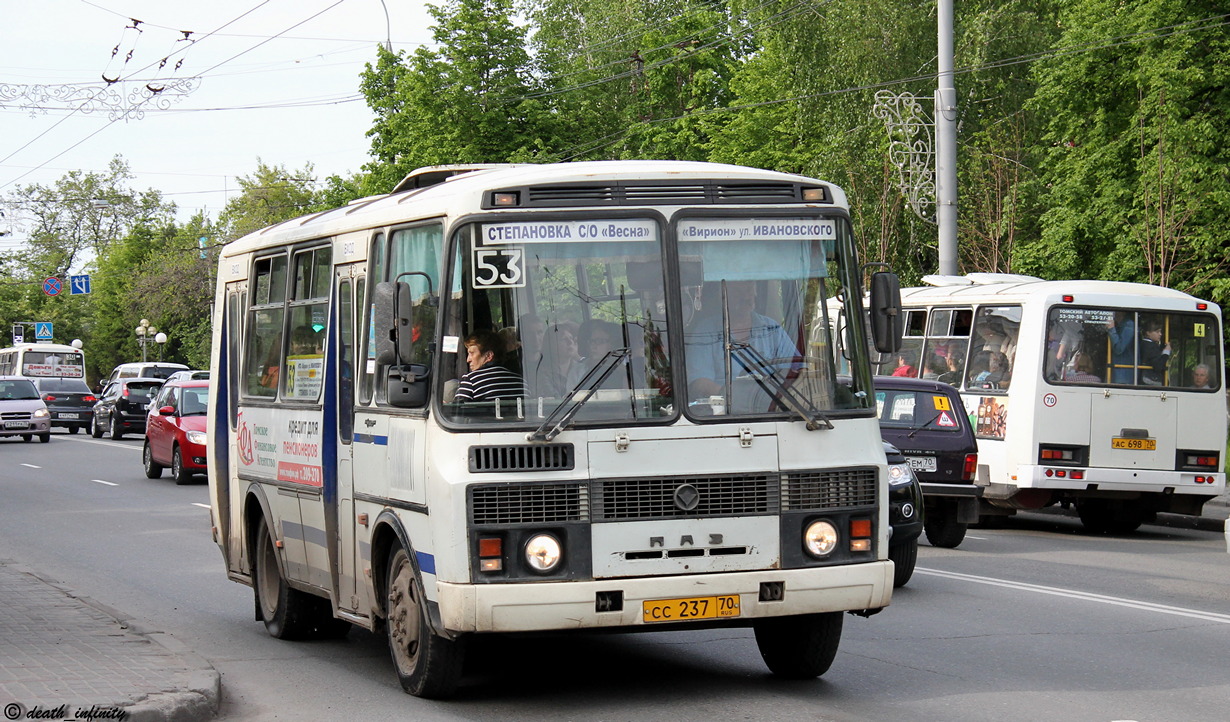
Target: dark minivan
x,y
927,421
122,407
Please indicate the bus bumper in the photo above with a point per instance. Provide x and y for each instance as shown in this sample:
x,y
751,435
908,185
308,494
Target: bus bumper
x,y
574,605
1139,480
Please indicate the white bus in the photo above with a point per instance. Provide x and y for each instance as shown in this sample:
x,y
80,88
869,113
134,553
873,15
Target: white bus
x,y
1107,396
686,466
43,360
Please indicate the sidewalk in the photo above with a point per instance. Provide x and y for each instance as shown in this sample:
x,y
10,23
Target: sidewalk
x,y
68,657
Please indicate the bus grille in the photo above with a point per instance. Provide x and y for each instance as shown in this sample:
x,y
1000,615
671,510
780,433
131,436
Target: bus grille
x,y
666,498
733,495
697,192
538,457
537,503
828,489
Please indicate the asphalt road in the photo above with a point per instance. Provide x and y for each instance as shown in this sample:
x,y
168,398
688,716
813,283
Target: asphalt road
x,y
1034,621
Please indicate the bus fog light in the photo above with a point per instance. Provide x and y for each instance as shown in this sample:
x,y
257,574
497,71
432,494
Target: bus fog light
x,y
543,553
860,545
820,538
491,565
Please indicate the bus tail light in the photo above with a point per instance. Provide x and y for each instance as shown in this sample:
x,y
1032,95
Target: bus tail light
x,y
1194,460
970,467
1062,455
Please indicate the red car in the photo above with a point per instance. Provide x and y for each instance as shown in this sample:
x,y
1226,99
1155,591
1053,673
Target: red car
x,y
175,429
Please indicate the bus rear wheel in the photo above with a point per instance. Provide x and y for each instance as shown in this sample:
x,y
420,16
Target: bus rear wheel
x,y
1109,516
427,664
801,647
288,613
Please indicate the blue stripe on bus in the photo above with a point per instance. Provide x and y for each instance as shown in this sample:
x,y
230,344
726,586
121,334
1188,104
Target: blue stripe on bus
x,y
427,562
376,439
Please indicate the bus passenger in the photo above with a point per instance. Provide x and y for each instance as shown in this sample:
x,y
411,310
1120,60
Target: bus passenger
x,y
905,365
1082,370
1154,354
1122,333
487,379
1200,377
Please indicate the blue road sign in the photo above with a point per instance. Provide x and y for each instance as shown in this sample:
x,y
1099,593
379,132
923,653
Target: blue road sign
x,y
52,286
42,331
79,284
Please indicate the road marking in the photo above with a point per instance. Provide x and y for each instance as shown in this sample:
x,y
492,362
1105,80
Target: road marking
x,y
203,506
979,538
32,466
100,481
1086,596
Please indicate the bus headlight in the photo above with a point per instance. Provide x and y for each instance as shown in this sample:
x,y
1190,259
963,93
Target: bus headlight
x,y
820,538
543,553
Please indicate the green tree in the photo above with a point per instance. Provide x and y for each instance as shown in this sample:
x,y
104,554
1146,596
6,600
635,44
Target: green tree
x,y
466,102
272,194
1133,160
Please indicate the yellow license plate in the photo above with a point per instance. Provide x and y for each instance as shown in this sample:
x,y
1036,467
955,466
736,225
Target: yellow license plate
x,y
687,609
1119,442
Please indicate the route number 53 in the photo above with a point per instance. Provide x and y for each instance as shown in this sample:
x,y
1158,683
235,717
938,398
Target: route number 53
x,y
498,267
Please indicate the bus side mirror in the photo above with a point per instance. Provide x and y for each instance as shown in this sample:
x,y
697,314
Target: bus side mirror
x,y
394,319
887,321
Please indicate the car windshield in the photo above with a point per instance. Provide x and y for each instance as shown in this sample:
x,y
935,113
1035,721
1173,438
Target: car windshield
x,y
17,390
192,403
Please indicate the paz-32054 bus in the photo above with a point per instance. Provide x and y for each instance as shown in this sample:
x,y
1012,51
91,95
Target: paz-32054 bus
x,y
558,397
1107,396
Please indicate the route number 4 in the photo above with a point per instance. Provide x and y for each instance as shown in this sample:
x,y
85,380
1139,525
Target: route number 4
x,y
498,268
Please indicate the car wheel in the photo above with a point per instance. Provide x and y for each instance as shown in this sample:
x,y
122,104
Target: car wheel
x,y
178,472
27,437
904,558
73,429
95,429
427,664
117,433
153,470
942,528
801,647
287,613
44,437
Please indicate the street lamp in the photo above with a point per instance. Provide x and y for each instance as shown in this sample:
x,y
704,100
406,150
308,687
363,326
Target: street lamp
x,y
161,340
148,334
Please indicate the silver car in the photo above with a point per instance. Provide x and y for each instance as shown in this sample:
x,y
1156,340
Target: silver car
x,y
22,412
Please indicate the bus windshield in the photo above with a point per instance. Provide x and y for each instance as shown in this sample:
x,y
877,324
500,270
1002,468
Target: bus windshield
x,y
1122,347
574,318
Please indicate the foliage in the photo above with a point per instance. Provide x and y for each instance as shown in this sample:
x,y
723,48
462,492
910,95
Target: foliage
x,y
272,194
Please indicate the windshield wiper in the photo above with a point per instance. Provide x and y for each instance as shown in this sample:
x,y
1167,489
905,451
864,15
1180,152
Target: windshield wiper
x,y
571,404
766,377
932,420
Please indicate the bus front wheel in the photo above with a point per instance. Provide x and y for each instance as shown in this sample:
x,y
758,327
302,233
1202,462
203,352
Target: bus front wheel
x,y
801,647
427,664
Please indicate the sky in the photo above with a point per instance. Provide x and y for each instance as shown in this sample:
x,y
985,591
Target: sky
x,y
274,80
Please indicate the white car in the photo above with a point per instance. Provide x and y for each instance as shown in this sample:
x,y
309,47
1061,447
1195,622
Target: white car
x,y
23,412
1228,535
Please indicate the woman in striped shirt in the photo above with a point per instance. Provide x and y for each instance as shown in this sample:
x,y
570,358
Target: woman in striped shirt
x,y
487,379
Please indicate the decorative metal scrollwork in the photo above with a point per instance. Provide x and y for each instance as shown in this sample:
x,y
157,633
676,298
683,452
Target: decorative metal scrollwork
x,y
120,101
910,133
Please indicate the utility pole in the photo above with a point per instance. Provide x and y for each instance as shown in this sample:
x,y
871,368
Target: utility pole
x,y
946,146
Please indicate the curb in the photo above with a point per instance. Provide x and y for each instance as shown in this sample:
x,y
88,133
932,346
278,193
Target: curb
x,y
198,690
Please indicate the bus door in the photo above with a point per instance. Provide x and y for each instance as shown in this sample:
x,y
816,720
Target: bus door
x,y
343,555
